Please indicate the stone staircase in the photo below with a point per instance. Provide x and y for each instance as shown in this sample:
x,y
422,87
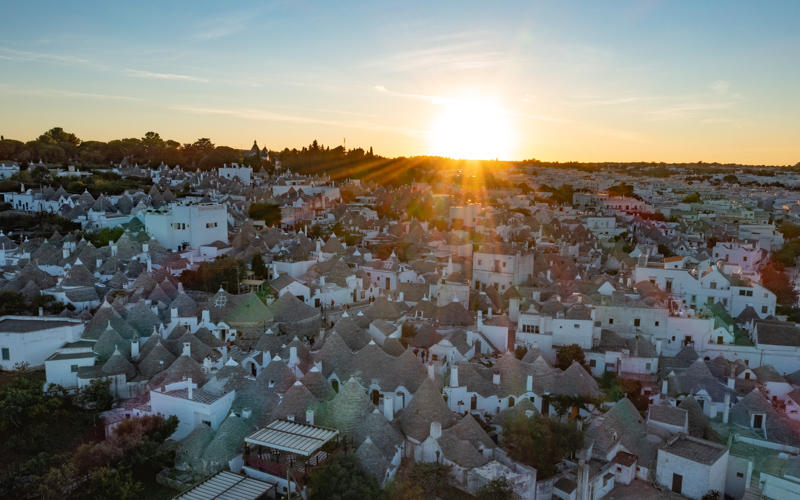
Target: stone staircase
x,y
753,492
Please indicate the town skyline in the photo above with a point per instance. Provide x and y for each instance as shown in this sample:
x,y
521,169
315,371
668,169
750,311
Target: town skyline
x,y
628,81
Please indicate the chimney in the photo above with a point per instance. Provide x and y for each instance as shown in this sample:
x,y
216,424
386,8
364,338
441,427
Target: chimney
x,y
548,275
187,349
98,263
206,316
41,311
400,297
322,281
731,382
310,417
490,313
189,387
431,372
388,407
293,356
173,313
135,348
496,378
513,309
480,320
529,384
664,387
290,417
436,430
454,376
65,251
726,409
246,413
145,247
583,481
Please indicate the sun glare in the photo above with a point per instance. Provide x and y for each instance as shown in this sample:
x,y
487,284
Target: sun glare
x,y
472,129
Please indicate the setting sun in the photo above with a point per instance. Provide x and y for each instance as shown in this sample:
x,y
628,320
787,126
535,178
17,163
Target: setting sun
x,y
472,129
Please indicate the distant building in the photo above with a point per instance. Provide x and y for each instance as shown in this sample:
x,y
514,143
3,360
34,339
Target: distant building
x,y
194,225
32,339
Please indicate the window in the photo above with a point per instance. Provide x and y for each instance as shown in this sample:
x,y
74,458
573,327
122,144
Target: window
x,y
656,323
739,474
480,262
694,299
610,321
741,292
744,259
530,328
763,309
576,325
766,295
637,322
73,368
749,293
647,366
713,285
210,225
758,421
6,354
592,363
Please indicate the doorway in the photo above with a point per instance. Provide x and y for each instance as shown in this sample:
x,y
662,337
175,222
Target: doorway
x,y
677,483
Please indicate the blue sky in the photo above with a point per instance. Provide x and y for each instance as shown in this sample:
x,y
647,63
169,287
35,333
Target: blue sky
x,y
602,81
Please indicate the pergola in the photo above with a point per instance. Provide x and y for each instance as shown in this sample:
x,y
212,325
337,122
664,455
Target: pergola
x,y
292,437
288,449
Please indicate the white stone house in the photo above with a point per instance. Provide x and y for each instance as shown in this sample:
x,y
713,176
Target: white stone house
x,y
191,405
32,339
691,466
176,225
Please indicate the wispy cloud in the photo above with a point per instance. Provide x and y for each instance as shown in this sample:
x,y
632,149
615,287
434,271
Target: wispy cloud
x,y
222,26
723,88
163,76
457,56
10,90
379,88
22,55
686,108
263,115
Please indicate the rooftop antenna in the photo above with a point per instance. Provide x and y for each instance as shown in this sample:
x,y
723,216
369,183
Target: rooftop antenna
x,y
345,144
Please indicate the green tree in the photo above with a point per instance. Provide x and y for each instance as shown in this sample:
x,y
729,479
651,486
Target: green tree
x,y
343,479
775,279
541,442
96,393
107,483
692,198
57,135
257,266
23,402
431,477
497,489
270,213
54,483
566,355
730,179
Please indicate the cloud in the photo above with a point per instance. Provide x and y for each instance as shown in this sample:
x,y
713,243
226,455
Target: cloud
x,y
528,97
9,90
458,56
163,76
689,108
226,25
262,115
721,87
379,88
21,55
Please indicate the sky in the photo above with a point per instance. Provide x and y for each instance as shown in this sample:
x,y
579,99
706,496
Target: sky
x,y
636,80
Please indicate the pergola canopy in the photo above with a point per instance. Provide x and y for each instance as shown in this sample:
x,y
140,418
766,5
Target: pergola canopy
x,y
294,437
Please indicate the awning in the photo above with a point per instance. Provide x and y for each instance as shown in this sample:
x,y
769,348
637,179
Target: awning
x,y
294,437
